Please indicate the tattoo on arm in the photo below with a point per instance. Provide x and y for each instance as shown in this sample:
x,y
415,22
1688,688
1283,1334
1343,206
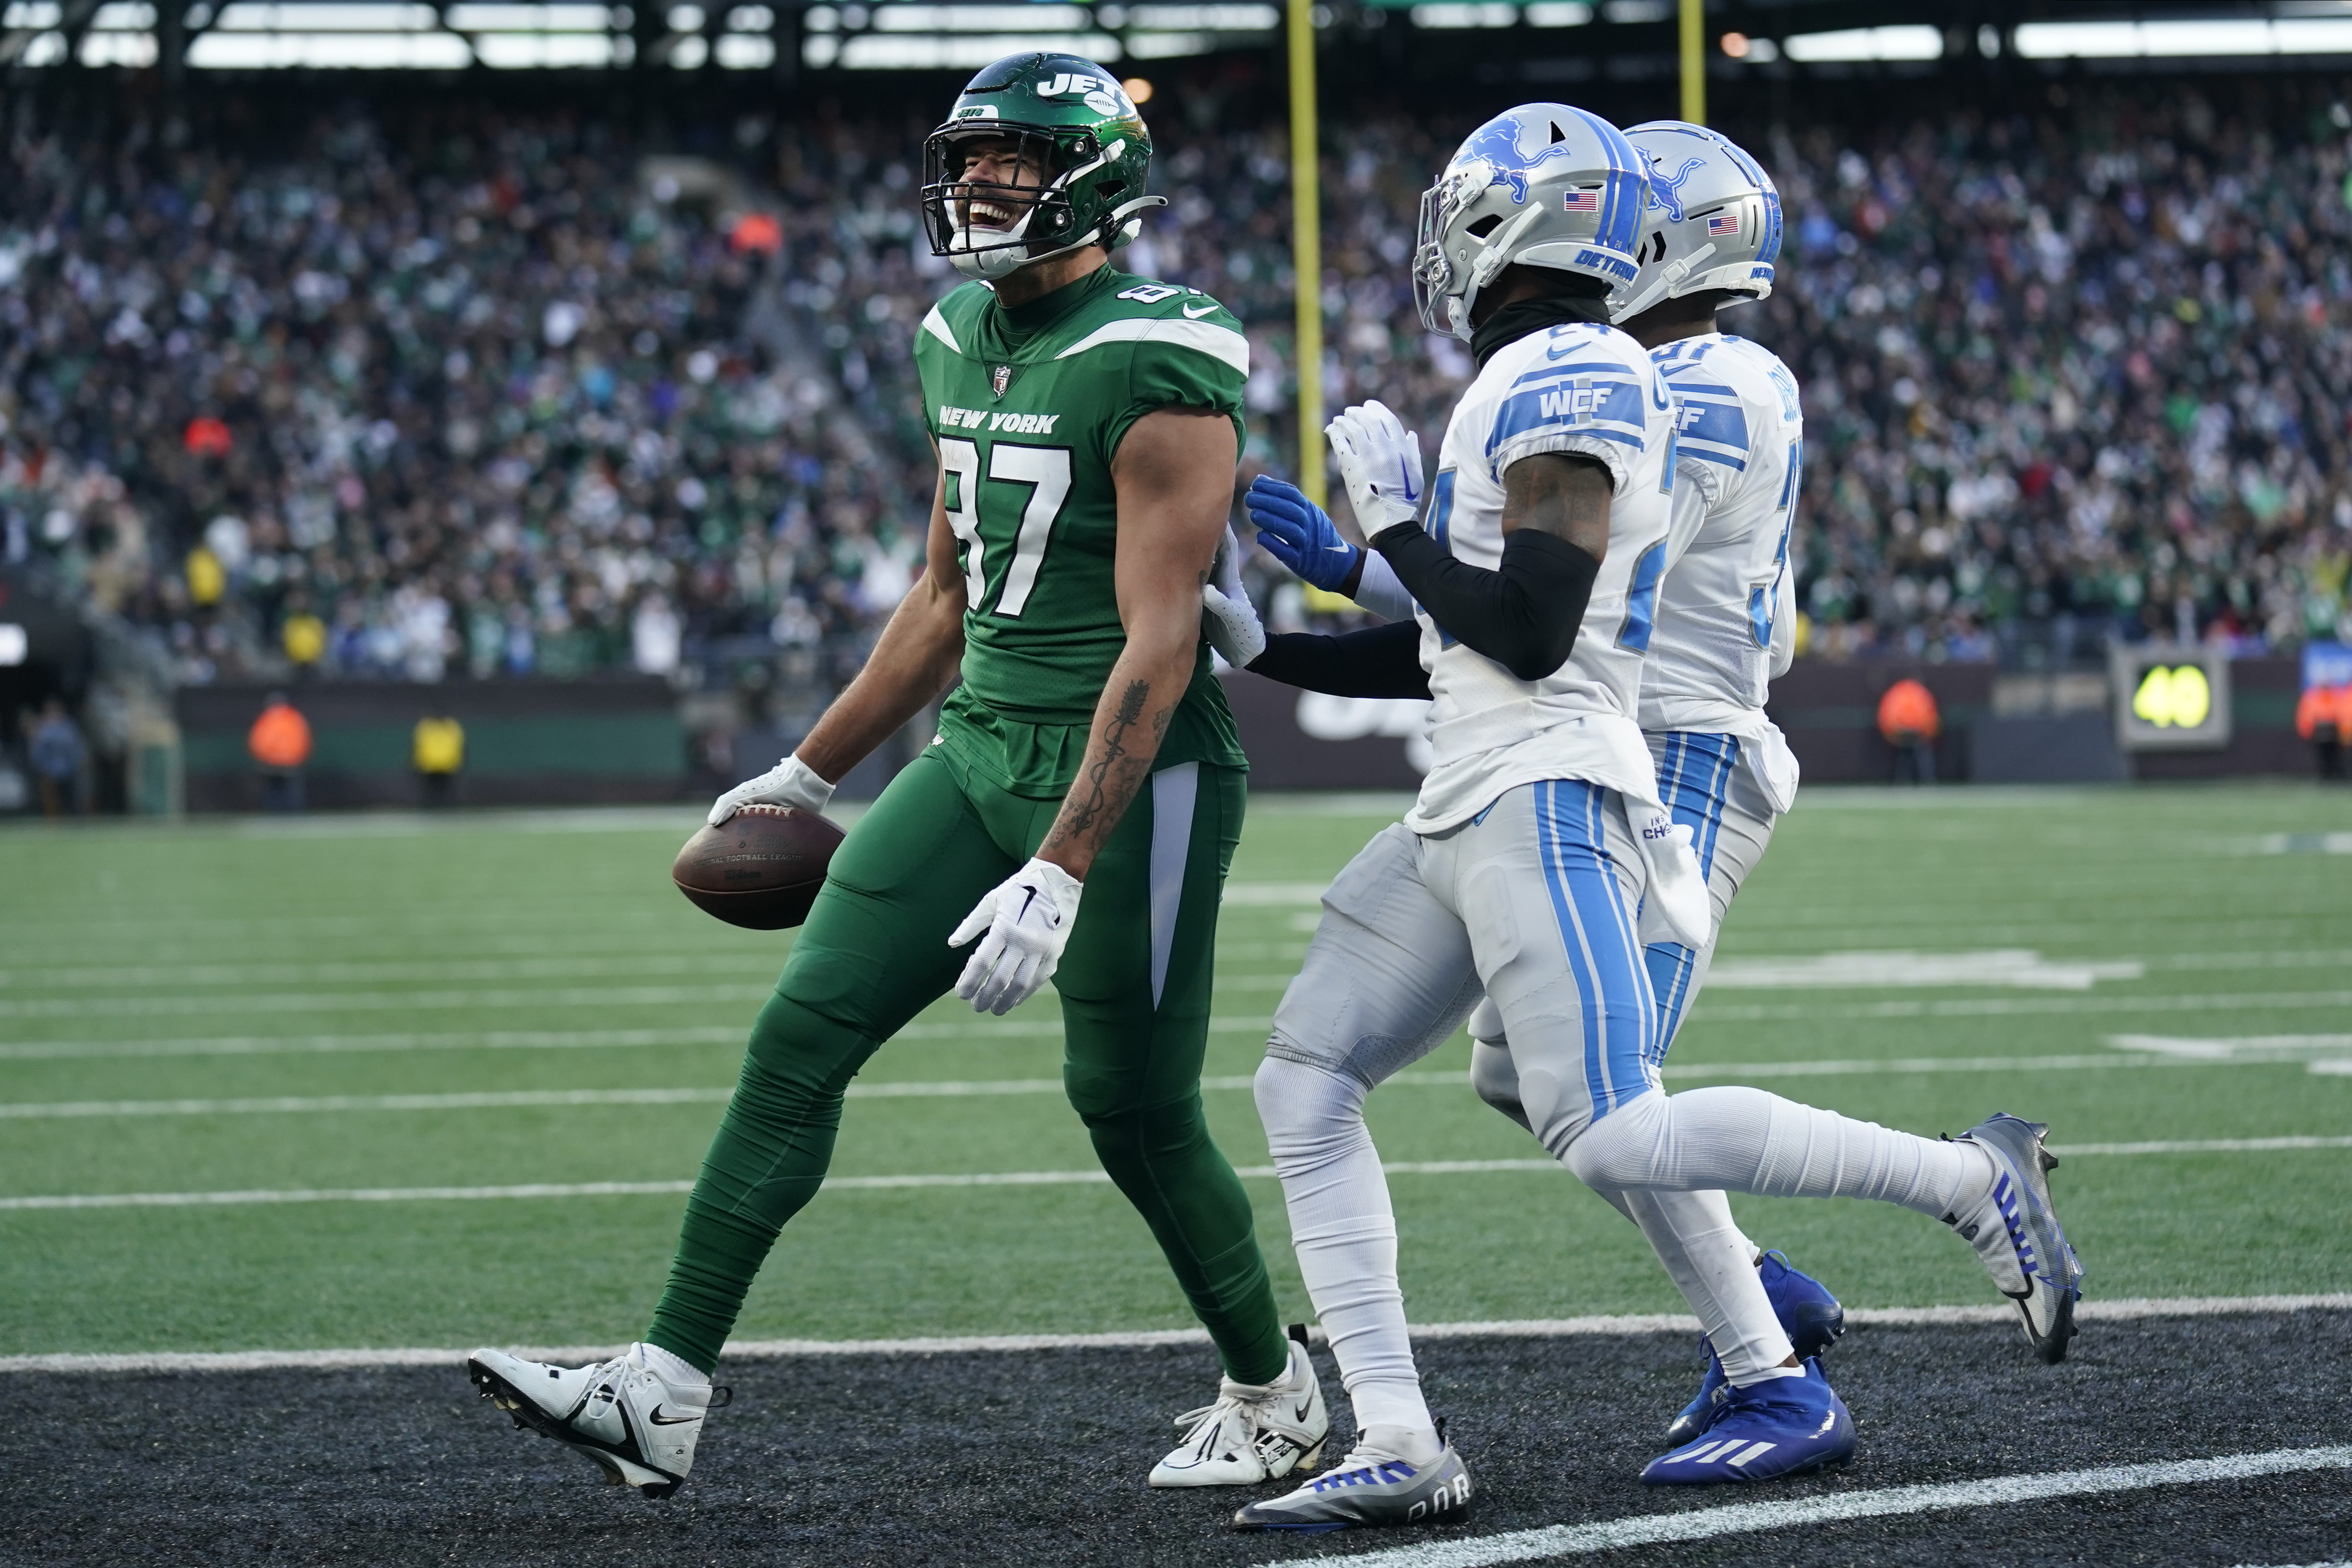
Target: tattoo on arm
x,y
1111,776
1564,496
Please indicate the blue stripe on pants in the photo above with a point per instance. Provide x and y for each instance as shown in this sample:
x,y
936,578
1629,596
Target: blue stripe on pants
x,y
1597,932
1693,781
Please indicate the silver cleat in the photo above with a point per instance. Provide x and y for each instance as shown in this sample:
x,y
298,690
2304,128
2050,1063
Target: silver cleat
x,y
1367,1490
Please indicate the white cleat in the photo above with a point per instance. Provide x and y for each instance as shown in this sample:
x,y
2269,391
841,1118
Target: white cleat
x,y
2016,1233
1253,1433
638,1426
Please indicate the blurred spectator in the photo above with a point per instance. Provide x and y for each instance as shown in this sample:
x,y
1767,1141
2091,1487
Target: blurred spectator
x,y
454,399
2323,715
280,743
1909,722
56,752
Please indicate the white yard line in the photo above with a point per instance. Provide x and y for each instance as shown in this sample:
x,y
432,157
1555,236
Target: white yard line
x,y
39,1201
498,1100
2022,1006
1743,1519
2122,1311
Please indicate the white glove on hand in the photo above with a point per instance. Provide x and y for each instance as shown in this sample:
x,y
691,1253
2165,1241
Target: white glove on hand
x,y
1027,919
1233,629
1381,461
791,782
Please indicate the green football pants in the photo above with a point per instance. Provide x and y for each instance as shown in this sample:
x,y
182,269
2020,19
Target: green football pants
x,y
1135,986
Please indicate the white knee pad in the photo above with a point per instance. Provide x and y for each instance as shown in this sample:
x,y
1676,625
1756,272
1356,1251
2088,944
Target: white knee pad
x,y
1313,1115
1626,1148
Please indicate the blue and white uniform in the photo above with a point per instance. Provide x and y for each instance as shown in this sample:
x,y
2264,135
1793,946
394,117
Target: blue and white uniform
x,y
1725,626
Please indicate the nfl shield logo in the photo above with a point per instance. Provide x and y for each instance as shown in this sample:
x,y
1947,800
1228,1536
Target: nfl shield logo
x,y
1000,378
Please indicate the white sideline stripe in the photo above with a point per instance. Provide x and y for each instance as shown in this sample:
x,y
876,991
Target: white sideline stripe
x,y
1739,1519
497,1100
2118,1311
947,1179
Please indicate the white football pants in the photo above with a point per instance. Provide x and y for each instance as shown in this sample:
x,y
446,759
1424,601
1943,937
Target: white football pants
x,y
1700,780
1533,902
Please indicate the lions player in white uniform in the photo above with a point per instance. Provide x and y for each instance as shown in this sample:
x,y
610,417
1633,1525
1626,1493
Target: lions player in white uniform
x,y
1537,850
1722,631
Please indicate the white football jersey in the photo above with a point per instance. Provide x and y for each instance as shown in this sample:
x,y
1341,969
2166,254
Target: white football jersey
x,y
1725,621
1589,390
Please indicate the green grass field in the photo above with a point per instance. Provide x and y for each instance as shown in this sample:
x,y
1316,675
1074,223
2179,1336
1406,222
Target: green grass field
x,y
487,954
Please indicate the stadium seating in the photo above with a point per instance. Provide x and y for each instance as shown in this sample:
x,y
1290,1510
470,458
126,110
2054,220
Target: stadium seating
x,y
460,399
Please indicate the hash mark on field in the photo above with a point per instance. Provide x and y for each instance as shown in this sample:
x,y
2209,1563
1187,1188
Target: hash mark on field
x,y
2009,966
1740,1519
954,1179
2128,1309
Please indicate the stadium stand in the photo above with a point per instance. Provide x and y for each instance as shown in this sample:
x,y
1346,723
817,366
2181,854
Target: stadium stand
x,y
447,396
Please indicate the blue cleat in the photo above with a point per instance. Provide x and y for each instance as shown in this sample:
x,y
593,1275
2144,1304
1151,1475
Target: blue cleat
x,y
1781,1426
1809,1315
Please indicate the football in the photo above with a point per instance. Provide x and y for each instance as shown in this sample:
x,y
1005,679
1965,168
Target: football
x,y
761,868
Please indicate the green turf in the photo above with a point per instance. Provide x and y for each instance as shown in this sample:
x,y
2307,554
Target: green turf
x,y
306,945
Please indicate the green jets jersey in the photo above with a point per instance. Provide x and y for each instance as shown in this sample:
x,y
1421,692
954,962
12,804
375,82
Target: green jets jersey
x,y
1028,406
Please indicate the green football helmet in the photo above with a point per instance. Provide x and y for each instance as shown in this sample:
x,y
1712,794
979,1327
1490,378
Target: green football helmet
x,y
1072,129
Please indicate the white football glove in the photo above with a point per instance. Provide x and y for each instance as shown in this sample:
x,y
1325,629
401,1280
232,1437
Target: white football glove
x,y
1027,919
791,782
1233,627
1381,461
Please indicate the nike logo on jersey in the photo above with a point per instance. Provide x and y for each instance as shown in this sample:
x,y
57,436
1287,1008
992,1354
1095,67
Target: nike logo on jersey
x,y
1192,315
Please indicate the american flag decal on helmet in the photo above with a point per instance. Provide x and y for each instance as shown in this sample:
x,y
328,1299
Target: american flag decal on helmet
x,y
1580,201
1723,223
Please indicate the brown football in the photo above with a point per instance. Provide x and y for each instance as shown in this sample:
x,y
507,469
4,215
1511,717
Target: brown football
x,y
761,868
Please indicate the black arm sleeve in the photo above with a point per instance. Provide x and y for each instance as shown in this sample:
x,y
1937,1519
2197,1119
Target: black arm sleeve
x,y
1384,661
1524,616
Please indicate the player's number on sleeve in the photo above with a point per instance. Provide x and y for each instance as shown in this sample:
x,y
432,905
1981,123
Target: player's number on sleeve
x,y
1046,471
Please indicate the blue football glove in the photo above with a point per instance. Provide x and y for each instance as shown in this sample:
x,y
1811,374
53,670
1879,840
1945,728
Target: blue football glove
x,y
1298,533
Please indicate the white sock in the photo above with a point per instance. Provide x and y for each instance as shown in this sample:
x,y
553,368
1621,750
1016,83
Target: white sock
x,y
1745,1140
1714,1266
675,1370
1413,1447
1345,1234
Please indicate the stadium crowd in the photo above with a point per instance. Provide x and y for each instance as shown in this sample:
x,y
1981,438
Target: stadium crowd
x,y
452,398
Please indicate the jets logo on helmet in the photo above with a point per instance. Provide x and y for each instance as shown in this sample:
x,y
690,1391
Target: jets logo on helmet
x,y
1542,185
1042,154
1713,224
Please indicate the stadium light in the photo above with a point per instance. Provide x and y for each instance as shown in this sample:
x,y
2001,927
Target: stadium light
x,y
1472,14
1916,42
2219,37
932,51
16,645
1043,18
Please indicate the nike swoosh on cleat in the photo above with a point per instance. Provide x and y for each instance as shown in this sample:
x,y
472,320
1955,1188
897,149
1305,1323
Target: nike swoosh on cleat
x,y
1304,1407
659,1419
1192,315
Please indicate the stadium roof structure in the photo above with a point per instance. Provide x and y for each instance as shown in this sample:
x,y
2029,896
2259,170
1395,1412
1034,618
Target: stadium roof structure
x,y
1551,39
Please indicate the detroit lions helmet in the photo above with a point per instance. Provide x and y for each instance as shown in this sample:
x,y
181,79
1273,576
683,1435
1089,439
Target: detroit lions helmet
x,y
1539,185
1713,220
1074,121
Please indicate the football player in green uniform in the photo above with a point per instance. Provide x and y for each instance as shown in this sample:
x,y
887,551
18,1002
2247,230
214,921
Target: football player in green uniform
x,y
1087,424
